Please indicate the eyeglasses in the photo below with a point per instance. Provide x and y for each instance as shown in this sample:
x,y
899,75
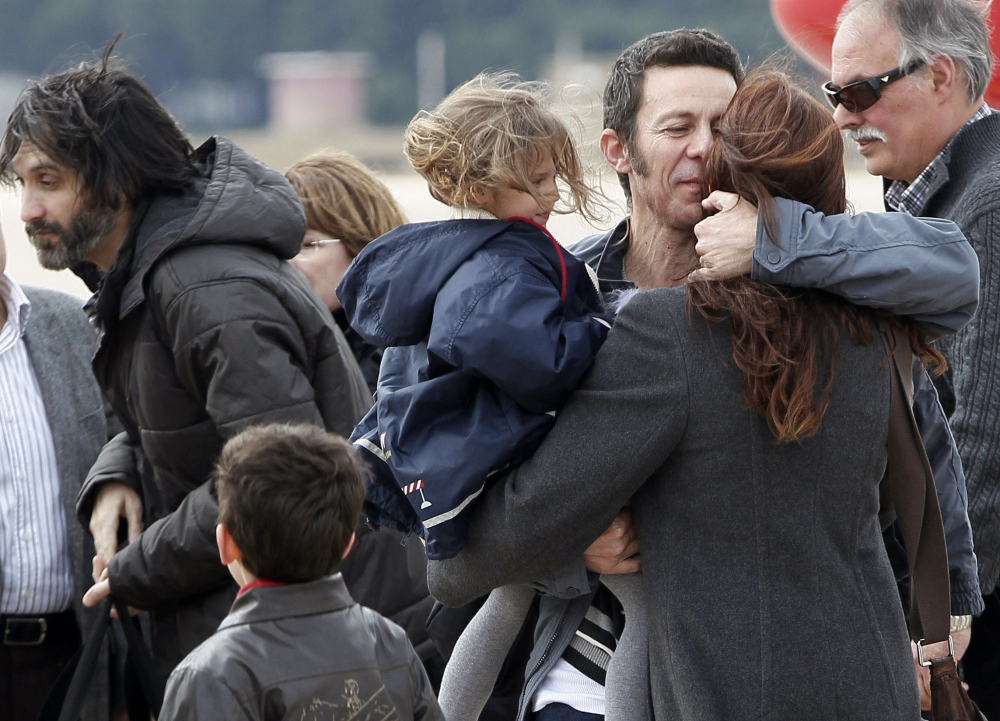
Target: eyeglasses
x,y
311,245
862,94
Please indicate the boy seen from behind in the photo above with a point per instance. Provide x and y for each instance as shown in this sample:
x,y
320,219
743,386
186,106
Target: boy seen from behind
x,y
295,645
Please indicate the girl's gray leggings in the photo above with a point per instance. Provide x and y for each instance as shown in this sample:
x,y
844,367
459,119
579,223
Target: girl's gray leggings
x,y
475,663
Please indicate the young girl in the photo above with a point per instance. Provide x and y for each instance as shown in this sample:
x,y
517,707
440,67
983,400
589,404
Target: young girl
x,y
489,326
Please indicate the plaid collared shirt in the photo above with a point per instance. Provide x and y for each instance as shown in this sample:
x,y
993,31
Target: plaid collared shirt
x,y
911,198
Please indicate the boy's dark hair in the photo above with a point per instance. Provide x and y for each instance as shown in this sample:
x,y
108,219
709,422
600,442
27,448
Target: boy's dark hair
x,y
105,124
623,91
290,496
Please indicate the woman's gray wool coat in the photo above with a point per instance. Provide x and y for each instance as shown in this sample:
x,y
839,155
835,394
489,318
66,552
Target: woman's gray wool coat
x,y
769,592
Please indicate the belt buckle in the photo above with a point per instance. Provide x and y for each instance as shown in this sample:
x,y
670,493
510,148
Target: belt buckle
x,y
25,631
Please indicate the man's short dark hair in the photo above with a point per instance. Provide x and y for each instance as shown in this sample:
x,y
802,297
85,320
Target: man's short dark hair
x,y
290,496
105,124
623,91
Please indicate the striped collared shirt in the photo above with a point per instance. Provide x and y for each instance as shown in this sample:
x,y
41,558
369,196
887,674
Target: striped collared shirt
x,y
35,569
912,198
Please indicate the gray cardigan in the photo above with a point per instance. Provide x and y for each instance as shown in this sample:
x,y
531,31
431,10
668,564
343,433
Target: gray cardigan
x,y
970,196
768,588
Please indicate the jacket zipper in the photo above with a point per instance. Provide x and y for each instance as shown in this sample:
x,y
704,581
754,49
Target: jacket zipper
x,y
548,646
521,712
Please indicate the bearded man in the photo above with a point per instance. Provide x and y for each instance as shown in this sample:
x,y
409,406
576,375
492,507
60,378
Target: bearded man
x,y
205,328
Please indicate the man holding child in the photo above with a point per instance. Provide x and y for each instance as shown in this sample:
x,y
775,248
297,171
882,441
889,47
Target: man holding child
x,y
662,99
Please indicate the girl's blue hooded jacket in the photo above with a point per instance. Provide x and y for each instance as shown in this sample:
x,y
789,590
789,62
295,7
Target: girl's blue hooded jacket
x,y
489,325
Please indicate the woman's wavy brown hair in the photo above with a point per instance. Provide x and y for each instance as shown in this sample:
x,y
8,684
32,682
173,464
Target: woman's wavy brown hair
x,y
776,140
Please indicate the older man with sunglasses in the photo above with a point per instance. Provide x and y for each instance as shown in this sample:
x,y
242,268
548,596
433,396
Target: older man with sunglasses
x,y
907,85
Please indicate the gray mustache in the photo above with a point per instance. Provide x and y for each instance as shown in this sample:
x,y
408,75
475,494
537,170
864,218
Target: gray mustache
x,y
866,132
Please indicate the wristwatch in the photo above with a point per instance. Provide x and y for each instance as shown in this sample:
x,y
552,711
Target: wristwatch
x,y
960,623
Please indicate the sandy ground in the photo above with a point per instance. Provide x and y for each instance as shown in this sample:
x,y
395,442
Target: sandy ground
x,y
864,191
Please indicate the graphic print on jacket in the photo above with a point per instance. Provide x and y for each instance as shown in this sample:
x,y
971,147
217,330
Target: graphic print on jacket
x,y
489,325
376,707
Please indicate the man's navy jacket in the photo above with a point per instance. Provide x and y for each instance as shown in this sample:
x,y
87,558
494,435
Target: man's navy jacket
x,y
489,326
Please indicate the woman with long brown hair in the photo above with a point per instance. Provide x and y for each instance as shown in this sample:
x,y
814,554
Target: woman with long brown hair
x,y
749,424
775,140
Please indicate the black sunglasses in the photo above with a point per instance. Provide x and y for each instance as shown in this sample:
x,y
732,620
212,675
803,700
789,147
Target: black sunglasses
x,y
862,94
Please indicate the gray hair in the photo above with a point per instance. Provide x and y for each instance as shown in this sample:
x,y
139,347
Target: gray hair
x,y
956,28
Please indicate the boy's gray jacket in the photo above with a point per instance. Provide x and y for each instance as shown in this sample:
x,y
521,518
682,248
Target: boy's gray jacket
x,y
302,651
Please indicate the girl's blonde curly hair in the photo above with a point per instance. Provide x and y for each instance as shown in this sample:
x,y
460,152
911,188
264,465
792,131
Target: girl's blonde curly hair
x,y
489,133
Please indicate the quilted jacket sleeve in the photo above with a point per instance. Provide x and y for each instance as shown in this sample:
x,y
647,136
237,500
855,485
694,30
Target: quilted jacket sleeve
x,y
176,557
238,351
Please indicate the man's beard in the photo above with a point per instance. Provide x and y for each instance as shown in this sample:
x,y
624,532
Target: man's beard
x,y
73,245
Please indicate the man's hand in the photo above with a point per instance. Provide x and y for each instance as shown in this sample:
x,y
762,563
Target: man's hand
x,y
726,238
114,500
961,640
614,549
100,590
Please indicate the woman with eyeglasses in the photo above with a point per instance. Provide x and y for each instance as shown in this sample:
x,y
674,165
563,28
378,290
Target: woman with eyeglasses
x,y
346,207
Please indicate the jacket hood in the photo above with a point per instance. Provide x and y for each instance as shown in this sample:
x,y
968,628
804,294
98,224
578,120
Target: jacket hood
x,y
244,201
236,199
389,290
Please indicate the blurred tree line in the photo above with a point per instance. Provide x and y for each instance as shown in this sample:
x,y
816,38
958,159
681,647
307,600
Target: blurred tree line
x,y
174,41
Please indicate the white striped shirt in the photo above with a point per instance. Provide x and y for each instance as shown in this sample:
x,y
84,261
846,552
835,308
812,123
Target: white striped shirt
x,y
36,573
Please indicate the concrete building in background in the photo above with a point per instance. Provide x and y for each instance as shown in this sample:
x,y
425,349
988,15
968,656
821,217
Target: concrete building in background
x,y
315,88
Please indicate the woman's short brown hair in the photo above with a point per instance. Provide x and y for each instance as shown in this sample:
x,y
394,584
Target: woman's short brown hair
x,y
290,496
489,133
344,199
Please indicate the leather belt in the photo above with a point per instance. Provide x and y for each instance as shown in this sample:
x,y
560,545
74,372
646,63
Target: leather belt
x,y
33,630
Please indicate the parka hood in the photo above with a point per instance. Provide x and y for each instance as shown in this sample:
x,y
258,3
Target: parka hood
x,y
389,290
236,199
244,201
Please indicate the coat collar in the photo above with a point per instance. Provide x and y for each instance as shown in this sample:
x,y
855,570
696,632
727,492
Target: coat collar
x,y
605,253
297,599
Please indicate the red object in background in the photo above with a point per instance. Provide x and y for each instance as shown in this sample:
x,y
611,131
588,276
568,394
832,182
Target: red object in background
x,y
809,27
